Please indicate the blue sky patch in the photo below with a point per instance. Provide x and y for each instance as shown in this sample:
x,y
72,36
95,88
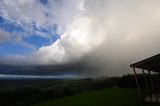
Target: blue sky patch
x,y
40,36
9,26
13,49
37,41
43,1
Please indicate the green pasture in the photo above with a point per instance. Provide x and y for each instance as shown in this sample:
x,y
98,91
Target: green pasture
x,y
106,97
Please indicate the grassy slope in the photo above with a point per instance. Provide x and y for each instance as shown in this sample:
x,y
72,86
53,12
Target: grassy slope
x,y
107,97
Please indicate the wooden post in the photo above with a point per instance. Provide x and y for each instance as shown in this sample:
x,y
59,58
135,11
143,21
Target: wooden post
x,y
152,85
145,79
138,87
156,86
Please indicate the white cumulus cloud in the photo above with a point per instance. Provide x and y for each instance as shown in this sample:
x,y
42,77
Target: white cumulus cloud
x,y
105,35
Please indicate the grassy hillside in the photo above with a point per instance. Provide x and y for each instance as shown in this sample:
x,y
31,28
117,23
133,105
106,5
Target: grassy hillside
x,y
106,97
28,92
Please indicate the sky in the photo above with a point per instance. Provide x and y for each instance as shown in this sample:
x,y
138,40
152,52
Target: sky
x,y
77,37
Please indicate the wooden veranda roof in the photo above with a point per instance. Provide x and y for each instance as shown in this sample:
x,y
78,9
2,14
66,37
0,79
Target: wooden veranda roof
x,y
152,64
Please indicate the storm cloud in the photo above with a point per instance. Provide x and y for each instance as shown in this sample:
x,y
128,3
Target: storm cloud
x,y
103,37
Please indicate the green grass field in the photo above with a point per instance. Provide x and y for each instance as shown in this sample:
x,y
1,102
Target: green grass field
x,y
106,97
